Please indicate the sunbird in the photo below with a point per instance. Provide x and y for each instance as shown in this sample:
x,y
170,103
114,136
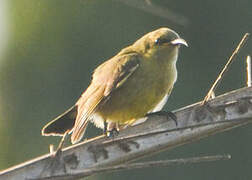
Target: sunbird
x,y
136,81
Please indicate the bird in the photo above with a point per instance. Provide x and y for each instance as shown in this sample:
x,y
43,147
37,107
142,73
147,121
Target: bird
x,y
125,88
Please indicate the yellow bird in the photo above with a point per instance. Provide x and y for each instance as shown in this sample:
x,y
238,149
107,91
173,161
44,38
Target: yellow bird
x,y
133,83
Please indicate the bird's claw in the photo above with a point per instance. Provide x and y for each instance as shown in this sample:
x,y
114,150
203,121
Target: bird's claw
x,y
112,133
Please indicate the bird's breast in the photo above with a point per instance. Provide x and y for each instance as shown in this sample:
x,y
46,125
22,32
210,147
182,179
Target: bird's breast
x,y
142,91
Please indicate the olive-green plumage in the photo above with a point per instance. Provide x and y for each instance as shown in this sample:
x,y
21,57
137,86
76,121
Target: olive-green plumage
x,y
126,87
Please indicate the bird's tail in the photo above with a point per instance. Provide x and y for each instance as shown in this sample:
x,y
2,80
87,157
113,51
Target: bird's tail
x,y
61,124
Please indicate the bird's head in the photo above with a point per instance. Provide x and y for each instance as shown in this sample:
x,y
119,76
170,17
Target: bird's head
x,y
162,42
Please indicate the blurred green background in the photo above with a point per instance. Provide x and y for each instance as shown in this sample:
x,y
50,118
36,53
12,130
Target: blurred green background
x,y
49,48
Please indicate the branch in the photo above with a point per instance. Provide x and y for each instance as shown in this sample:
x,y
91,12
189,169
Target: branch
x,y
161,163
222,113
147,164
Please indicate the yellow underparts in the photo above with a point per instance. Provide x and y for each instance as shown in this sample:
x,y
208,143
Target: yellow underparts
x,y
140,93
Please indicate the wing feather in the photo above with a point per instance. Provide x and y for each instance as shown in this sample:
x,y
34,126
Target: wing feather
x,y
107,77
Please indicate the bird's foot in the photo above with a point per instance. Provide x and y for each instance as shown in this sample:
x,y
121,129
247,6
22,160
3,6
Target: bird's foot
x,y
111,129
167,114
112,133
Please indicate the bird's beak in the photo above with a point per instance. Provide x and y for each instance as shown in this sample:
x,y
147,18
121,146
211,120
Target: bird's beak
x,y
179,41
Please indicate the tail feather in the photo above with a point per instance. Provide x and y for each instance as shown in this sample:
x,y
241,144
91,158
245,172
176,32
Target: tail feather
x,y
61,124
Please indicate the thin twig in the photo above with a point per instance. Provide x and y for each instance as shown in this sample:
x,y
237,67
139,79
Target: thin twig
x,y
51,149
224,70
248,71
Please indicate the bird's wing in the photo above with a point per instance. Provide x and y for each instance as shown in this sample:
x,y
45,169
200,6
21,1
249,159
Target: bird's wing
x,y
108,77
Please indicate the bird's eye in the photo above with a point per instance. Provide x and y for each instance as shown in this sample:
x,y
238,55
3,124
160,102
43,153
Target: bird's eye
x,y
161,41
